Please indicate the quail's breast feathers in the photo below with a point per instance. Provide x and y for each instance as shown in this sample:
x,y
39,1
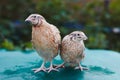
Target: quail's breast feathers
x,y
72,50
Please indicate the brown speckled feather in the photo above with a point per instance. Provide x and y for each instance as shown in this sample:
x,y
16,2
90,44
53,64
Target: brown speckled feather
x,y
72,52
46,39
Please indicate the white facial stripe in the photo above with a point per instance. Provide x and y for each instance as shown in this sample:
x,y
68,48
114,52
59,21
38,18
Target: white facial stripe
x,y
78,36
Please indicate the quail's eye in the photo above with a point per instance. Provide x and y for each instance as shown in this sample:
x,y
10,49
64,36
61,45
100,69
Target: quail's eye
x,y
78,34
34,16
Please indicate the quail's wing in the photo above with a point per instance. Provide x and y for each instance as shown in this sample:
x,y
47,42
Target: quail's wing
x,y
56,33
81,52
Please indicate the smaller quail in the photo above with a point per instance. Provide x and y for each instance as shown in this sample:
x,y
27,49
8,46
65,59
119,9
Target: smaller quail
x,y
72,49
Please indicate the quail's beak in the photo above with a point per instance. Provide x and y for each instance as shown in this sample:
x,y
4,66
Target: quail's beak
x,y
85,38
27,21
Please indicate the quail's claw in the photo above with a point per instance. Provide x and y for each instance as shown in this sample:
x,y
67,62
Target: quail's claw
x,y
81,68
42,68
60,66
52,68
39,69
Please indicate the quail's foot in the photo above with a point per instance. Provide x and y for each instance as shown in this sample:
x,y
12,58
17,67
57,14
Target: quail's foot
x,y
51,68
81,68
42,68
39,69
60,66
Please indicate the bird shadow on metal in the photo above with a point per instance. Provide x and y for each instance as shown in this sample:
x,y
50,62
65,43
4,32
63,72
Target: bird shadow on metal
x,y
100,70
26,73
67,73
63,74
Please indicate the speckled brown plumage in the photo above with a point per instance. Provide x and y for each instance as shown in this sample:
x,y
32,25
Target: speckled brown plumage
x,y
72,48
45,39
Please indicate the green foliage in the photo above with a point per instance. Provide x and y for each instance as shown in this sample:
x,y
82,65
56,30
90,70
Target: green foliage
x,y
93,15
54,11
96,37
97,41
7,45
114,13
26,46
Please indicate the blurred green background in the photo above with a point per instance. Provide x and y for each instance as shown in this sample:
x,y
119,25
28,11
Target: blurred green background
x,y
99,19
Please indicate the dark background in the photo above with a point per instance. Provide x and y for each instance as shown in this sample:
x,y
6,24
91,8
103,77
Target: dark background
x,y
99,19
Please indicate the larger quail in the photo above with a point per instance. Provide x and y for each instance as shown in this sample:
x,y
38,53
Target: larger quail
x,y
45,39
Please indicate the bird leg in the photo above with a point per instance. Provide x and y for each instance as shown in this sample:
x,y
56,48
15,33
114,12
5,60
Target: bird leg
x,y
60,66
42,68
81,68
51,68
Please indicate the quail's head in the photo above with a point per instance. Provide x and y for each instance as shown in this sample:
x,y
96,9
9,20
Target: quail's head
x,y
78,36
34,19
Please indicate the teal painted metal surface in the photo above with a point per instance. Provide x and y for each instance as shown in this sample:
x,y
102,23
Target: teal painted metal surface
x,y
17,65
